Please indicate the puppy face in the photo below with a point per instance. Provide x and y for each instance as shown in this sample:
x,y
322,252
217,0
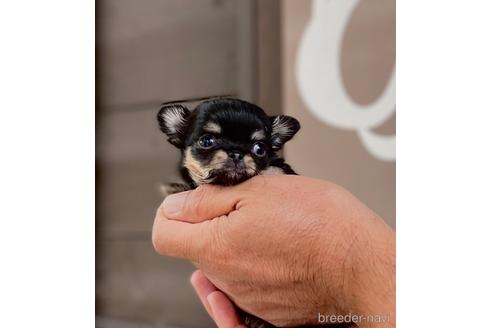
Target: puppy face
x,y
225,141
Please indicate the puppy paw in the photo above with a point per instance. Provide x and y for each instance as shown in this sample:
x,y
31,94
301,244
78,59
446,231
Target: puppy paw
x,y
167,189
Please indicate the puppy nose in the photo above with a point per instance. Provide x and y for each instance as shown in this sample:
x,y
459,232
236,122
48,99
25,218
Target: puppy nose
x,y
235,155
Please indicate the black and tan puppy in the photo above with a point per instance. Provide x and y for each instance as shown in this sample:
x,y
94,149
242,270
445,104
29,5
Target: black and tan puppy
x,y
226,141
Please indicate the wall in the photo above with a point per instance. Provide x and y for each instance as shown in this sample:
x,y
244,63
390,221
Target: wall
x,y
363,56
148,52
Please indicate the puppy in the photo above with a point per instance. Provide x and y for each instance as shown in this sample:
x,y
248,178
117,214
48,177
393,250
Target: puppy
x,y
226,141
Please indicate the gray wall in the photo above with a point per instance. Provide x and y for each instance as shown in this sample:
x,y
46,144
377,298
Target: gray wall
x,y
148,52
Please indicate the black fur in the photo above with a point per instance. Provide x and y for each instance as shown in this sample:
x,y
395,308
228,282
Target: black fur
x,y
238,120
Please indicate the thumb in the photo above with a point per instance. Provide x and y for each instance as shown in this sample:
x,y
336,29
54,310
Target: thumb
x,y
203,203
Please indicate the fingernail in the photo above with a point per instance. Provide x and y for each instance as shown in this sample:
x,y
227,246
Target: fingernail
x,y
173,204
193,277
211,301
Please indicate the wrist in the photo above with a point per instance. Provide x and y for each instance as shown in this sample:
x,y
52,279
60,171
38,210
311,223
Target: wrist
x,y
340,268
373,282
358,277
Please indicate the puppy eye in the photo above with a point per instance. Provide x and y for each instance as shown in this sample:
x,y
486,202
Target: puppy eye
x,y
207,141
259,149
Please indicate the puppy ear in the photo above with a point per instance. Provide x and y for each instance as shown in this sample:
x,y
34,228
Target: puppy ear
x,y
173,120
283,129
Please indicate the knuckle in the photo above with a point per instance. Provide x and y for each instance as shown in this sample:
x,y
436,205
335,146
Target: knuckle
x,y
217,238
210,246
185,248
156,238
157,243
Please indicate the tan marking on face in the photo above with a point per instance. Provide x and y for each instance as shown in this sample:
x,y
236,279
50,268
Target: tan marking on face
x,y
201,173
195,169
218,160
250,164
212,127
272,170
258,135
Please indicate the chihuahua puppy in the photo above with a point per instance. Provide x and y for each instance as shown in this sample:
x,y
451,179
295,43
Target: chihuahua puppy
x,y
226,141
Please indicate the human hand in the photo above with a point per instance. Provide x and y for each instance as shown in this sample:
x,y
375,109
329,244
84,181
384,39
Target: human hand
x,y
284,248
217,304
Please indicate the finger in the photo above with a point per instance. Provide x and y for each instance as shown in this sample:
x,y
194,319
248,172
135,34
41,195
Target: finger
x,y
203,287
224,313
182,239
203,203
